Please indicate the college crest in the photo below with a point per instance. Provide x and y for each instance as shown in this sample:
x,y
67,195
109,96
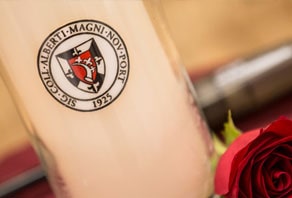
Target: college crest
x,y
84,65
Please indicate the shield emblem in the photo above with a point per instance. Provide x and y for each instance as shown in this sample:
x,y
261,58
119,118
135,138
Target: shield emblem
x,y
83,66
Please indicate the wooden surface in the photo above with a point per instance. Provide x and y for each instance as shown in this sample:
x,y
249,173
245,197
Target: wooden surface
x,y
12,131
206,33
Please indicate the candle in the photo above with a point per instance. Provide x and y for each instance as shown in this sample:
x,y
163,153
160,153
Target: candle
x,y
107,113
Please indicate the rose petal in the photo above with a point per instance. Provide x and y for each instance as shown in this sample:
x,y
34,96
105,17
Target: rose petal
x,y
282,126
224,165
242,161
268,142
265,180
271,162
241,194
284,151
245,180
282,180
245,157
282,184
263,155
262,182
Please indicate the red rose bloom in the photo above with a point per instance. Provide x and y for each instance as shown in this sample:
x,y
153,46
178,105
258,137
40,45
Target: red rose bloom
x,y
258,164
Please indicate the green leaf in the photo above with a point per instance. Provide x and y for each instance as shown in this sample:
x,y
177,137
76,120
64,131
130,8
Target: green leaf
x,y
230,132
220,148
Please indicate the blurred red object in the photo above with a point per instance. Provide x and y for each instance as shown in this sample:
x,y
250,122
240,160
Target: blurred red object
x,y
20,167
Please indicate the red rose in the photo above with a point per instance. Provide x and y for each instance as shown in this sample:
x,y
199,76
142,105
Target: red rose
x,y
258,164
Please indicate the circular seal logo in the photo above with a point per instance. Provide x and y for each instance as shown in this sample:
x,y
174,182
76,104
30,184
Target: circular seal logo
x,y
84,65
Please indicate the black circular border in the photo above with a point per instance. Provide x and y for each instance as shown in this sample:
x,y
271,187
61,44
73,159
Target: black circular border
x,y
68,24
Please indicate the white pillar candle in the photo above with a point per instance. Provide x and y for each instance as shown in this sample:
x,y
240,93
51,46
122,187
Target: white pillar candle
x,y
137,134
